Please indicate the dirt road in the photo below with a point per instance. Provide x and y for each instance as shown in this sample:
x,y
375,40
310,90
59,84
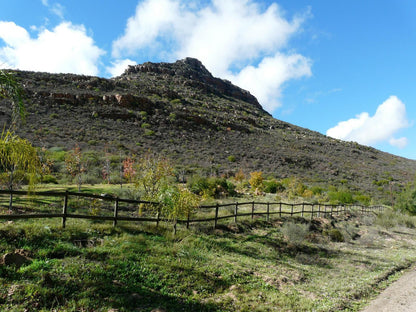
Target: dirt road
x,y
398,297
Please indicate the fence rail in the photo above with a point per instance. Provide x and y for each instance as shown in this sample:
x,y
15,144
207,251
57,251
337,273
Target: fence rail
x,y
209,213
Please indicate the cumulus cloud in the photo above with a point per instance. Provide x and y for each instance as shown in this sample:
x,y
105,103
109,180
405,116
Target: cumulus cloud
x,y
390,117
236,39
119,66
65,49
266,80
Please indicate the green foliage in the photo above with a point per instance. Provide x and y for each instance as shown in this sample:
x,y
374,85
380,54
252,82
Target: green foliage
x,y
273,186
211,187
18,160
256,180
391,218
363,199
340,197
75,165
334,235
178,202
152,175
48,179
231,158
176,101
295,232
406,201
11,89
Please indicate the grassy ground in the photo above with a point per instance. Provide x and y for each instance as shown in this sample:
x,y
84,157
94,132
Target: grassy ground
x,y
282,265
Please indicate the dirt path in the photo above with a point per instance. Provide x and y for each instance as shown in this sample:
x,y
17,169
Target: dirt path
x,y
398,297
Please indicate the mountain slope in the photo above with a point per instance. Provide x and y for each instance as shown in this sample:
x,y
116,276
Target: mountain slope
x,y
181,111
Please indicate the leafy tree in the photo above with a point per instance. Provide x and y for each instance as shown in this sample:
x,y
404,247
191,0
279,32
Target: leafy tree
x,y
256,181
406,200
129,171
19,160
11,89
178,202
75,165
152,176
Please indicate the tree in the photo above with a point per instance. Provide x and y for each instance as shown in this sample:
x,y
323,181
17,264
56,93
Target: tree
x,y
75,165
11,89
18,160
178,202
128,169
406,200
256,181
152,175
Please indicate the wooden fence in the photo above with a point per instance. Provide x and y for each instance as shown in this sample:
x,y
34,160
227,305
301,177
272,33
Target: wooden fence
x,y
205,213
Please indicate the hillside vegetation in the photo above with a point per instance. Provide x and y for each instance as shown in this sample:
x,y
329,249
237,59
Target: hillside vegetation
x,y
202,123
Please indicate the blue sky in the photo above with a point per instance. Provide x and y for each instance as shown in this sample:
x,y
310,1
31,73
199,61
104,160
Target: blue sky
x,y
342,68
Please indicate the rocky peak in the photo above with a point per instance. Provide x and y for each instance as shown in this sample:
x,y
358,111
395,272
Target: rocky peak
x,y
189,68
193,70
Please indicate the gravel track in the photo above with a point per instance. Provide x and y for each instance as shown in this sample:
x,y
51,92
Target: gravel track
x,y
398,297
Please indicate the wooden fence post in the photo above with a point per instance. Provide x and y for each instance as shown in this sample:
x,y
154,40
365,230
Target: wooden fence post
x,y
303,209
280,210
268,211
65,209
216,215
158,216
115,212
291,211
332,209
235,212
319,210
312,213
252,210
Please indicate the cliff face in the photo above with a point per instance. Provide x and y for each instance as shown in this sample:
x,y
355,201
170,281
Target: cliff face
x,y
181,111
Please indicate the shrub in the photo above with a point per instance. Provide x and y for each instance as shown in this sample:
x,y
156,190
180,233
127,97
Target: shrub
x,y
387,219
295,233
334,235
340,197
317,190
211,187
48,179
406,201
256,180
273,187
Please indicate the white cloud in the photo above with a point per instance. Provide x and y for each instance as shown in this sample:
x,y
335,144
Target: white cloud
x,y
58,10
400,142
390,117
119,66
266,80
65,49
235,39
152,18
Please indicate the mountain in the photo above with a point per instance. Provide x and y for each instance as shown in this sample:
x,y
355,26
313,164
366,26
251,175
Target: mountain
x,y
199,121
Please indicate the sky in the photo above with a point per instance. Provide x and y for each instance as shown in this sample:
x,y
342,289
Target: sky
x,y
342,68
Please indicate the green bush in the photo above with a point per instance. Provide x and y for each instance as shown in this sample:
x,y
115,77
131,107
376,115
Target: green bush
x,y
387,219
212,187
334,235
273,187
48,179
294,232
406,201
340,197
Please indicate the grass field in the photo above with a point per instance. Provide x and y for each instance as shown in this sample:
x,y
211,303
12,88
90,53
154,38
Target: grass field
x,y
288,264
